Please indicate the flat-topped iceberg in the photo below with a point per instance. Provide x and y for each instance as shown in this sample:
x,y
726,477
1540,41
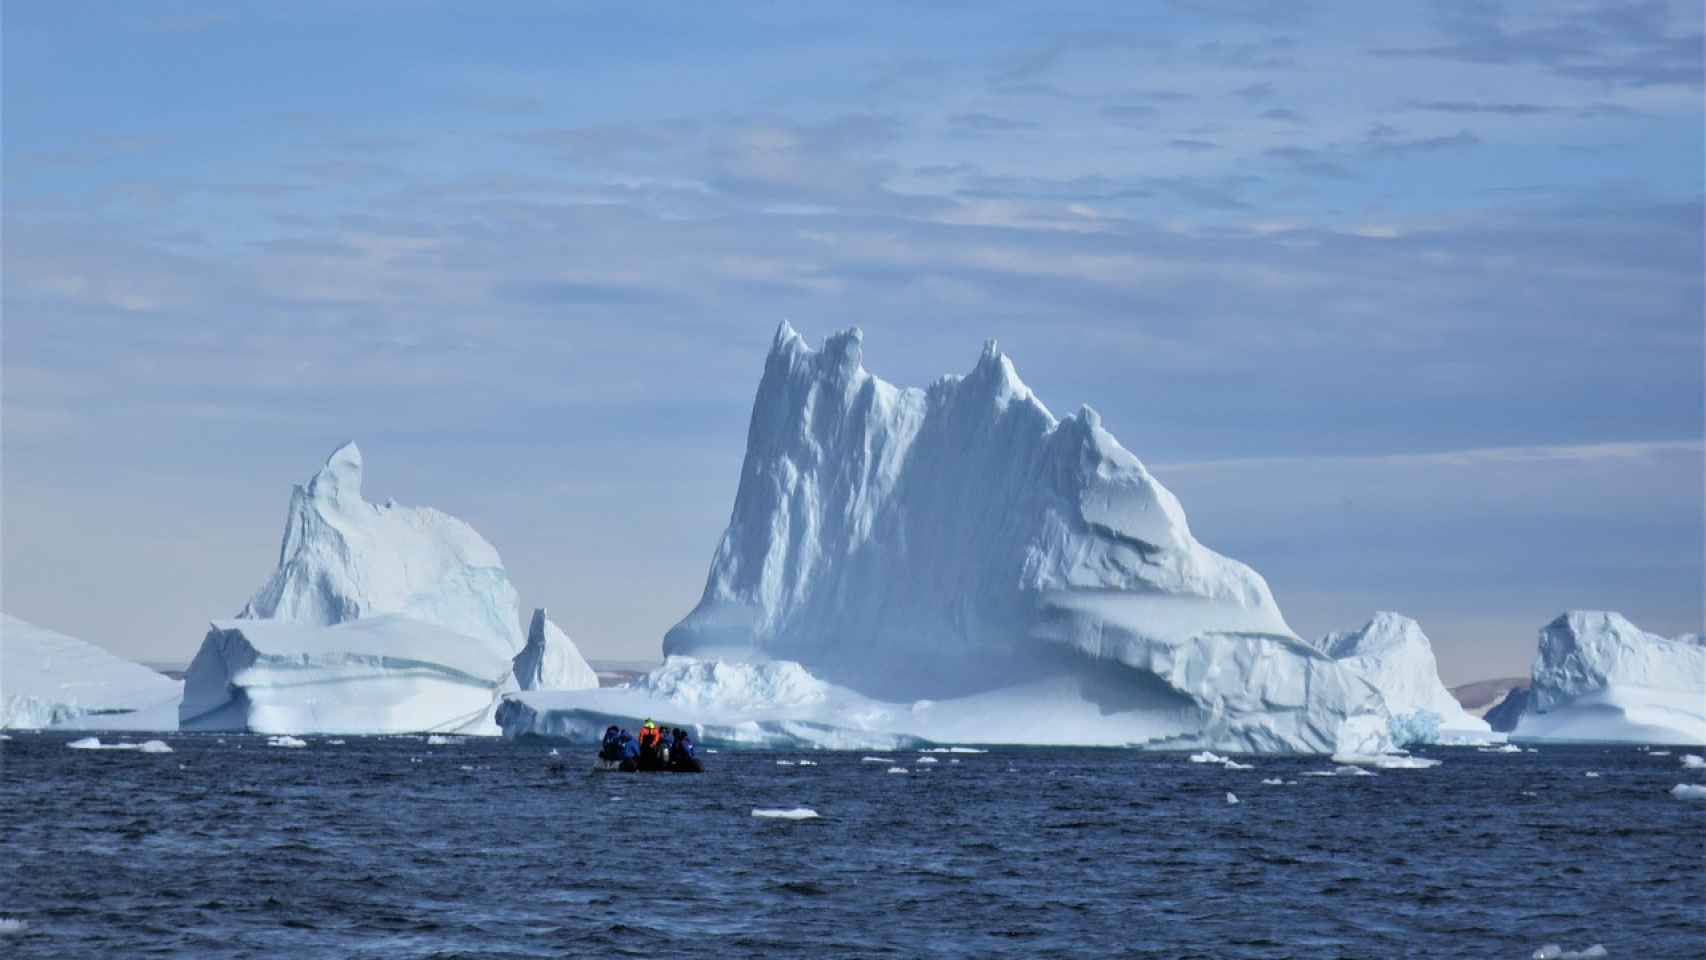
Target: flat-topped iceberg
x,y
48,679
379,618
383,674
1391,652
1024,574
1597,677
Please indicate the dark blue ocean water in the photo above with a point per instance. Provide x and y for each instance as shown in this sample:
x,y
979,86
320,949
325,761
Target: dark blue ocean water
x,y
228,847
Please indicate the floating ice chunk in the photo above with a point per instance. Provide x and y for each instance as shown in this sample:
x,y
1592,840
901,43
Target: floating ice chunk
x,y
1272,781
5,736
439,740
1688,791
9,925
1344,771
784,763
335,743
953,759
94,743
873,759
1385,761
1694,761
1552,951
1659,753
1227,762
897,770
286,740
808,763
1592,775
795,813
465,768
928,760
952,750
1231,797
1507,748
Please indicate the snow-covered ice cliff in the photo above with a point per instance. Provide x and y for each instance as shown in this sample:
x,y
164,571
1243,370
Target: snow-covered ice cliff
x,y
1391,652
1597,677
383,674
49,679
961,545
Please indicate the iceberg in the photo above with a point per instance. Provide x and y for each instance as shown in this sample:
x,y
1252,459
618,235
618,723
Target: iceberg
x,y
383,674
957,564
344,558
1391,652
1597,677
378,619
48,679
550,660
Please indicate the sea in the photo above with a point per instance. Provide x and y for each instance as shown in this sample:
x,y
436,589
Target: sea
x,y
234,846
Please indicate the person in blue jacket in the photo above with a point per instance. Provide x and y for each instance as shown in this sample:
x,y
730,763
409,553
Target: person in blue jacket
x,y
681,756
610,749
629,751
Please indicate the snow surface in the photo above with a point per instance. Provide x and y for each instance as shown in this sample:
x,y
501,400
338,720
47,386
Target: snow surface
x,y
343,559
962,545
550,660
48,679
1391,652
1599,678
383,674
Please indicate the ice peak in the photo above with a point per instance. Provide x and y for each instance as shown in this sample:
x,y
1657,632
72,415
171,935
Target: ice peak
x,y
787,338
339,480
844,352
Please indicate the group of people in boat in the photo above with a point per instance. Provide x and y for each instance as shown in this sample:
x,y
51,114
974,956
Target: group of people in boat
x,y
654,749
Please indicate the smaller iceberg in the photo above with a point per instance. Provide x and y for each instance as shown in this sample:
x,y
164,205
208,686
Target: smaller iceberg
x,y
1392,653
1599,678
48,679
550,660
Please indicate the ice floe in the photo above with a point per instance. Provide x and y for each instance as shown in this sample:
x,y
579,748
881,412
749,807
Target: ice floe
x,y
791,813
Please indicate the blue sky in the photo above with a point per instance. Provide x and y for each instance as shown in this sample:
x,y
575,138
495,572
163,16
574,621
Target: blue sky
x,y
1405,302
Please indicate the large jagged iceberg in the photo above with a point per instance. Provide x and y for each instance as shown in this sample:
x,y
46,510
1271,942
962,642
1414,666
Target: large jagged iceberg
x,y
550,660
1024,576
1391,652
379,618
48,679
1597,677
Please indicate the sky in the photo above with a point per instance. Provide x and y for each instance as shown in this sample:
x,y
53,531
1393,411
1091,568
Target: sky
x,y
1403,301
